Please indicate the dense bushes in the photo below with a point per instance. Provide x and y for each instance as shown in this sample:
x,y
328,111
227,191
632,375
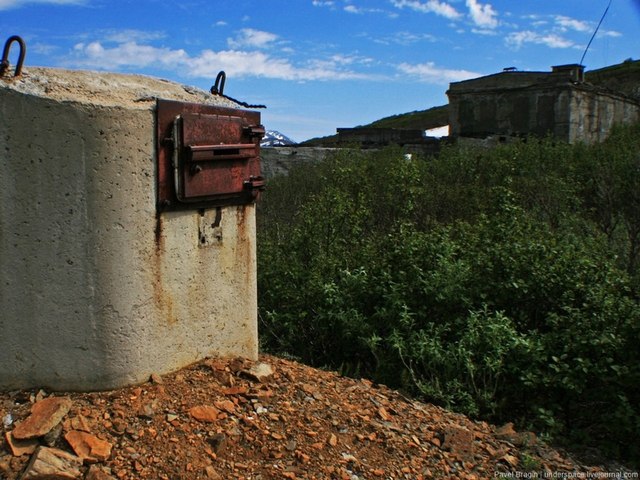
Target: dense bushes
x,y
501,283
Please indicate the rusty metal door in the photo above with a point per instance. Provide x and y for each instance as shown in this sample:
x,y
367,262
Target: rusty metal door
x,y
207,156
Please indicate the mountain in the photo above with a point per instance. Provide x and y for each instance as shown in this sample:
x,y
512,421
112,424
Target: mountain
x,y
272,138
623,77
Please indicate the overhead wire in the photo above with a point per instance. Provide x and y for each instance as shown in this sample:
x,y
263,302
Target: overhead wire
x,y
595,32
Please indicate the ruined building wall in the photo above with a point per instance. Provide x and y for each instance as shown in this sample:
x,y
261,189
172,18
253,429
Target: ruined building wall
x,y
536,103
592,114
506,112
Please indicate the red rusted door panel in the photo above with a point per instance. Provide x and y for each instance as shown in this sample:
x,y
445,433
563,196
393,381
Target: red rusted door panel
x,y
207,156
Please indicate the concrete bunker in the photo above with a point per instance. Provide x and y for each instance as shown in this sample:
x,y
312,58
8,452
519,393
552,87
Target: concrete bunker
x,y
105,276
560,102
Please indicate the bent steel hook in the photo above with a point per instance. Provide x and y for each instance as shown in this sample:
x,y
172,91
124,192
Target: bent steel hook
x,y
218,87
5,56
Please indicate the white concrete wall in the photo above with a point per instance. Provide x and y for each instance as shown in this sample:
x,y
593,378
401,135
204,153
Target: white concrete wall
x,y
95,291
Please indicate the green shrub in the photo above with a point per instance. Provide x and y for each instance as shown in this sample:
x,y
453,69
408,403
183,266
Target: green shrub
x,y
487,281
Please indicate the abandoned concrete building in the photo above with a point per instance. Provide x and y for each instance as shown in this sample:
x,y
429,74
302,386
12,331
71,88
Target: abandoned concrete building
x,y
560,102
414,140
515,103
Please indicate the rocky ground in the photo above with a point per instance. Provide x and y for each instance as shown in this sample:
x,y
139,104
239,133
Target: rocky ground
x,y
273,419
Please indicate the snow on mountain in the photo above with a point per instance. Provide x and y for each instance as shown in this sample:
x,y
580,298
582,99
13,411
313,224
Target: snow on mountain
x,y
273,138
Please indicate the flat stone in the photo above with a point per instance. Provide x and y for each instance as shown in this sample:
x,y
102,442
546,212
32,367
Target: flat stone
x,y
459,441
45,415
88,447
384,415
205,413
81,423
97,473
52,464
146,410
21,447
226,405
260,372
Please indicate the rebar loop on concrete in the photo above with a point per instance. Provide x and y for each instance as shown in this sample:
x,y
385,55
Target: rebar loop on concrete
x,y
4,65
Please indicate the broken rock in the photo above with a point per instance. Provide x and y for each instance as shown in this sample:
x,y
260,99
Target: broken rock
x,y
52,464
97,473
45,415
21,447
205,413
519,439
260,372
78,422
88,447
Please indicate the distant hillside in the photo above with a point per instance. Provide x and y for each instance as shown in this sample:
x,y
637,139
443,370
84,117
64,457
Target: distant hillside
x,y
624,77
419,119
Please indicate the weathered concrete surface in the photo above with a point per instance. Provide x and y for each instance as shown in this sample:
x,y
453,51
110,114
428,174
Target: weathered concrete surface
x,y
95,291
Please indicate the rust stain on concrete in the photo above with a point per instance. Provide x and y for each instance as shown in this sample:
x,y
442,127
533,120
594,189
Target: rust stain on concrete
x,y
162,297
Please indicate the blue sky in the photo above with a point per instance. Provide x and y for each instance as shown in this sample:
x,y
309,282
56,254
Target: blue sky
x,y
322,64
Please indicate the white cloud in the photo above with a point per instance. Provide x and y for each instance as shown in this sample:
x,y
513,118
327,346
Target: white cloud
x,y
208,63
9,4
239,64
258,64
318,3
248,37
568,23
482,15
483,31
517,39
408,38
610,33
573,24
554,31
428,72
95,55
336,64
44,48
430,6
357,10
401,38
555,41
125,36
540,23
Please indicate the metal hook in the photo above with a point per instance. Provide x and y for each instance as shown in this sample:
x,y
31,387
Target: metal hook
x,y
218,87
5,56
